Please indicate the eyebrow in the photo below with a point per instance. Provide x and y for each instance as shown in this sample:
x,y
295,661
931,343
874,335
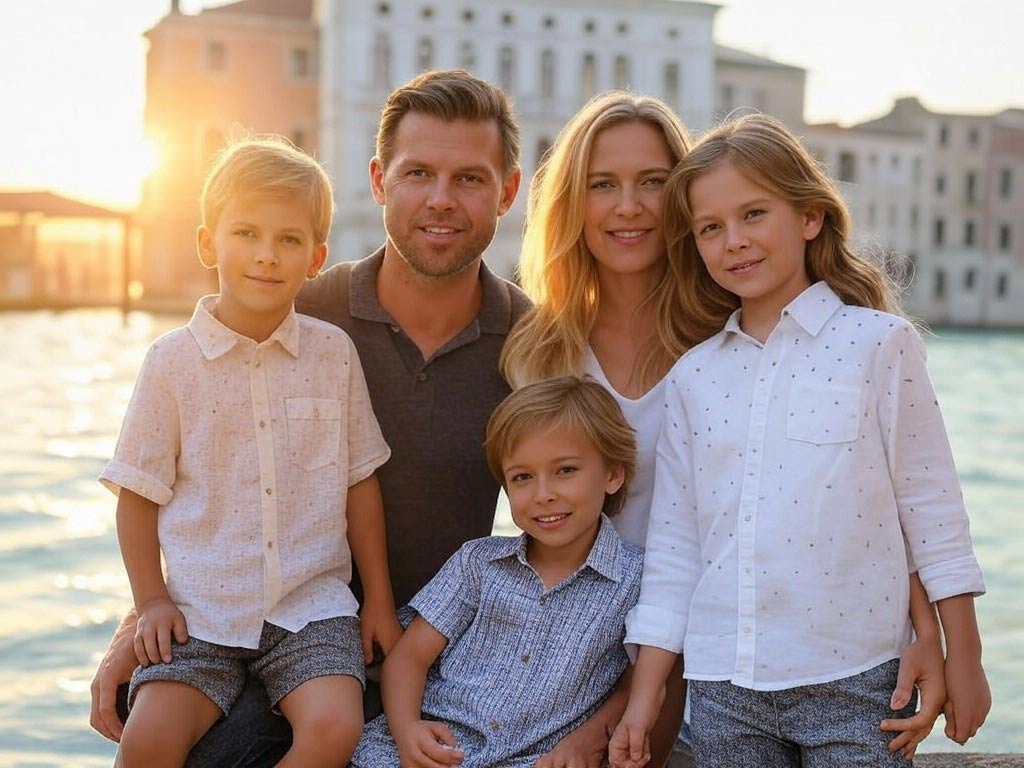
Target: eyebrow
x,y
412,162
644,172
555,460
253,225
747,204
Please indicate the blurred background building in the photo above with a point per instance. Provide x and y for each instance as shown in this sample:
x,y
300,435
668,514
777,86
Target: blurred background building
x,y
944,190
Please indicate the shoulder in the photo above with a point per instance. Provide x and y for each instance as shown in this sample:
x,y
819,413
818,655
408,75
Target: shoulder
x,y
487,548
632,559
326,294
519,303
882,328
172,347
694,357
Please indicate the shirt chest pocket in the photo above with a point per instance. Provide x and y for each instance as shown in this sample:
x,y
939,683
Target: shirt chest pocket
x,y
314,431
823,414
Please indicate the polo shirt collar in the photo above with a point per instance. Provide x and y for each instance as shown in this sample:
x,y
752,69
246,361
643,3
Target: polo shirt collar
x,y
811,309
216,339
495,314
605,556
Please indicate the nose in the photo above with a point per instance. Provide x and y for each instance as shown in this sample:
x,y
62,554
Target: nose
x,y
628,203
545,492
266,252
440,198
736,239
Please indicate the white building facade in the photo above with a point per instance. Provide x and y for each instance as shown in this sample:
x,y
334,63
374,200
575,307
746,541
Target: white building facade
x,y
551,56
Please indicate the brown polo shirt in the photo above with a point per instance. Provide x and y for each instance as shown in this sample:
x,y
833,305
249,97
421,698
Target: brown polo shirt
x,y
438,492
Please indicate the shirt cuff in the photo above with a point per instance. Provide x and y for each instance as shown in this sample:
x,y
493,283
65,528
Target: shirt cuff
x,y
658,627
367,467
119,475
950,578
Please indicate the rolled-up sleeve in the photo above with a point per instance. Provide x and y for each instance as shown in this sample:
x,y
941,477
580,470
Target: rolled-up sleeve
x,y
672,556
927,488
145,459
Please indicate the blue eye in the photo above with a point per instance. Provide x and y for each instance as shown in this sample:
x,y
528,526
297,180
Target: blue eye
x,y
754,213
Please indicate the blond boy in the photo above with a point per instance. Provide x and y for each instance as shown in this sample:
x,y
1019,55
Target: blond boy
x,y
247,453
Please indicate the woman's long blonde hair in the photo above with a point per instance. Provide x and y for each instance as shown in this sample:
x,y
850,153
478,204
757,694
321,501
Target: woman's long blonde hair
x,y
764,150
556,268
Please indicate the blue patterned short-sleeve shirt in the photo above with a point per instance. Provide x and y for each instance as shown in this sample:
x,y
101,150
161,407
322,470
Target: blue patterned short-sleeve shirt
x,y
524,665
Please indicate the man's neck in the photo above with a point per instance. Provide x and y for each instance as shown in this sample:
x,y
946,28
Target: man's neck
x,y
429,310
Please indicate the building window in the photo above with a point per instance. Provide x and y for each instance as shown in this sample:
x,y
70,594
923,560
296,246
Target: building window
x,y
872,215
589,26
621,73
622,28
383,9
424,54
940,233
673,33
547,73
467,55
940,284
506,68
973,137
940,184
216,56
969,232
728,98
300,63
969,278
382,60
299,138
549,22
671,78
588,78
1004,237
913,217
468,15
1006,183
915,173
943,135
507,19
543,147
847,166
427,12
893,216
1002,285
971,187
894,161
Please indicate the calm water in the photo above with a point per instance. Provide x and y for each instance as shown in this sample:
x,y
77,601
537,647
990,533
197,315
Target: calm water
x,y
65,383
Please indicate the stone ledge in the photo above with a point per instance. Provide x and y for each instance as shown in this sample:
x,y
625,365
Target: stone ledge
x,y
968,760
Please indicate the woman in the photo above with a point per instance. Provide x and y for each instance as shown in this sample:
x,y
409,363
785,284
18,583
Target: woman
x,y
594,263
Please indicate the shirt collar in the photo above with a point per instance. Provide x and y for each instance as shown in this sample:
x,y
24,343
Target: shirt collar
x,y
605,556
811,309
216,339
495,309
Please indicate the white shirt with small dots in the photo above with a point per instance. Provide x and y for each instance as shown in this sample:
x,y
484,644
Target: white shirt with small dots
x,y
249,449
798,482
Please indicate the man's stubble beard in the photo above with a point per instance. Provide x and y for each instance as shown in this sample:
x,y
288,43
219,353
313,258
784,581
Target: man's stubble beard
x,y
461,260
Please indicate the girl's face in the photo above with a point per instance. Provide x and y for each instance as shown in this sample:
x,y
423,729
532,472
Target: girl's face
x,y
751,240
629,165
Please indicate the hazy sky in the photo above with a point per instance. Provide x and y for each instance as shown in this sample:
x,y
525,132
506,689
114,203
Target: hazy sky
x,y
72,73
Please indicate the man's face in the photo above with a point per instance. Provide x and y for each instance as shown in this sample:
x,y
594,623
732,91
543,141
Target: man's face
x,y
442,192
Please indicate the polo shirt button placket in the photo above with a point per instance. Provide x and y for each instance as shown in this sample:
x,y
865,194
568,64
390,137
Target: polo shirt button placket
x,y
422,376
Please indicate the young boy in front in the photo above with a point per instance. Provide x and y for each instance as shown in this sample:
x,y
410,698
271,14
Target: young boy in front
x,y
526,631
248,448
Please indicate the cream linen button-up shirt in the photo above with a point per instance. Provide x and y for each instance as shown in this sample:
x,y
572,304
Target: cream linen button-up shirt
x,y
249,450
793,480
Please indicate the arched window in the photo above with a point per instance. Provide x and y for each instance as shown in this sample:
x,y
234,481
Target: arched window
x,y
424,54
506,68
467,55
621,73
670,84
382,60
547,73
588,77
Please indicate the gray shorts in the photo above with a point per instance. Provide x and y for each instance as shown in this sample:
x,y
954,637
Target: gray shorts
x,y
284,661
830,725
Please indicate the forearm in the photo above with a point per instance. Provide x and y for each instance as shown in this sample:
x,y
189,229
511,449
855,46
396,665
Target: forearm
x,y
367,539
960,627
140,547
403,681
922,612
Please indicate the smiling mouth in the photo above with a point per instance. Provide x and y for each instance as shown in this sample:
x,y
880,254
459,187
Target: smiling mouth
x,y
744,267
552,519
628,234
264,279
440,230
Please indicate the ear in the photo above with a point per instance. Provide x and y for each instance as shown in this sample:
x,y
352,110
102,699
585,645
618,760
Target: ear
x,y
814,218
317,263
509,190
377,181
616,477
206,248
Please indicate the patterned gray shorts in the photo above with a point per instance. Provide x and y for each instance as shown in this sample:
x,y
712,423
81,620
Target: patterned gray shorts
x,y
830,725
283,661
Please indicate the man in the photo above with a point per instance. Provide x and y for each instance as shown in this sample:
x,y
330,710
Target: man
x,y
428,320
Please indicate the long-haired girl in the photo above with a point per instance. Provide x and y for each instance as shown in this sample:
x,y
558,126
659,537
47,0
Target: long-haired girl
x,y
802,471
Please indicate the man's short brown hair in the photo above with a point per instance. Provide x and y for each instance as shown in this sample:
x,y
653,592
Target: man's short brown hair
x,y
451,94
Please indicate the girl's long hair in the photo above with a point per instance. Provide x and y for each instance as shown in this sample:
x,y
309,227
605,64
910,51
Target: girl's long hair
x,y
556,268
765,151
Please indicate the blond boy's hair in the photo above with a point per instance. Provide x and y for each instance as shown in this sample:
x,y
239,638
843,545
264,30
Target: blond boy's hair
x,y
450,95
270,166
570,402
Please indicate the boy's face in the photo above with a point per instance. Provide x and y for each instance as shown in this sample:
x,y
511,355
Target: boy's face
x,y
264,249
556,483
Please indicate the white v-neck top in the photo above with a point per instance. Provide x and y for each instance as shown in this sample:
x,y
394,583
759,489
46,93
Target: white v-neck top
x,y
645,415
793,480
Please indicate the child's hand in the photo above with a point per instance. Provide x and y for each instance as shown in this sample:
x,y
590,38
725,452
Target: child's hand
x,y
969,698
630,745
920,664
426,743
159,619
378,623
582,748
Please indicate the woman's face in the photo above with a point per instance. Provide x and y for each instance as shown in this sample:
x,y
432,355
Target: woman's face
x,y
629,165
